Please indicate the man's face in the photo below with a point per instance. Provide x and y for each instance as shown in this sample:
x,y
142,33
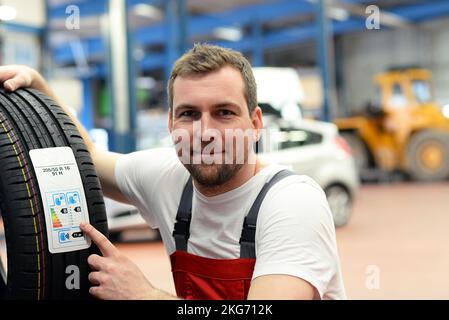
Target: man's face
x,y
211,125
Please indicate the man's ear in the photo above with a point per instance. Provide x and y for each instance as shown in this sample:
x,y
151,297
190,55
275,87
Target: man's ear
x,y
257,121
170,121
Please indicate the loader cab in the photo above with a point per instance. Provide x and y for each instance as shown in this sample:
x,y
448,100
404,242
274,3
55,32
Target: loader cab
x,y
401,88
422,91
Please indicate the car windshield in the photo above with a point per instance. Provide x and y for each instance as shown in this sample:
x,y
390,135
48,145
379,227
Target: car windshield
x,y
397,98
281,138
421,90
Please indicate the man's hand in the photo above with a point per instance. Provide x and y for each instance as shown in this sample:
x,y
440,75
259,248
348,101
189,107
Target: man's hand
x,y
115,277
14,77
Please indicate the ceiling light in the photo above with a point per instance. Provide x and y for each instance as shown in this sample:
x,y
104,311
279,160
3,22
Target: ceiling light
x,y
228,33
7,13
148,11
339,14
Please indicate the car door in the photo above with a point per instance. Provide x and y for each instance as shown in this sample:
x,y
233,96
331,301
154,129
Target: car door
x,y
296,147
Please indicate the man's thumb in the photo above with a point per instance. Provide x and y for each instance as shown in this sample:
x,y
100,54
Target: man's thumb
x,y
10,85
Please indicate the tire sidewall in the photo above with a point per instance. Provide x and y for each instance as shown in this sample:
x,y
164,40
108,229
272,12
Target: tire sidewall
x,y
417,141
340,220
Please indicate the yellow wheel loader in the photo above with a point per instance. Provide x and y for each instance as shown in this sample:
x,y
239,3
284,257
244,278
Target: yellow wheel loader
x,y
406,131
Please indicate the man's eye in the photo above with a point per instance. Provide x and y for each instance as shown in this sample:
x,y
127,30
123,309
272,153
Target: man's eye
x,y
225,113
187,114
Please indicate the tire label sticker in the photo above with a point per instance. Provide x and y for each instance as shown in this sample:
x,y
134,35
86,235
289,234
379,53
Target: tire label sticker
x,y
63,197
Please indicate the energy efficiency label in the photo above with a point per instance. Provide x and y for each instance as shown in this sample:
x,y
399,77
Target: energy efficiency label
x,y
63,198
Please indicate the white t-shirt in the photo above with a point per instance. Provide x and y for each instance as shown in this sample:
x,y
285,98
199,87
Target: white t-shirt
x,y
295,233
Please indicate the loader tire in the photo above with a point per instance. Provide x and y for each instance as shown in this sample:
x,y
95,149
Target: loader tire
x,y
30,120
359,151
428,156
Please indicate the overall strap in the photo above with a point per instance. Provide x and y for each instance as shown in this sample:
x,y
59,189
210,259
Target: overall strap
x,y
247,240
181,232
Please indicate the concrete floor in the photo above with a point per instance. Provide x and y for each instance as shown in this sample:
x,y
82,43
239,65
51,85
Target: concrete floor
x,y
396,245
400,233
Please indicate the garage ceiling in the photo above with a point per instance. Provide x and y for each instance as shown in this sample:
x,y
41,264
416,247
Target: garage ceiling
x,y
282,22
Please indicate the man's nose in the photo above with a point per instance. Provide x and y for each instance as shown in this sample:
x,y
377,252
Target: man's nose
x,y
204,125
206,122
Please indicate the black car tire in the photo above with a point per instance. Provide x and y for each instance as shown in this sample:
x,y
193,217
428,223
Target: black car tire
x,y
30,120
359,150
340,203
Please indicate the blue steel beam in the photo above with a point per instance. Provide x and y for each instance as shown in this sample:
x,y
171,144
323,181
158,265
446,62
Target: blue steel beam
x,y
308,32
151,35
247,14
203,25
171,30
86,8
19,27
324,37
92,48
257,52
92,8
183,26
87,117
153,61
176,17
297,34
149,62
274,39
423,11
242,14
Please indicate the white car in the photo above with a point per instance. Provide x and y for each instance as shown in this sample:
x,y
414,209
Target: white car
x,y
315,149
125,223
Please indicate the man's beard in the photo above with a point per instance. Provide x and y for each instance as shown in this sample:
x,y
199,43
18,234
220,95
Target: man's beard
x,y
212,175
213,169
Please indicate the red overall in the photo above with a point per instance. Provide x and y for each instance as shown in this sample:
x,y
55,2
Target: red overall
x,y
197,277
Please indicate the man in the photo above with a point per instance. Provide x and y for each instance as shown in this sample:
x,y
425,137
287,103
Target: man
x,y
241,229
